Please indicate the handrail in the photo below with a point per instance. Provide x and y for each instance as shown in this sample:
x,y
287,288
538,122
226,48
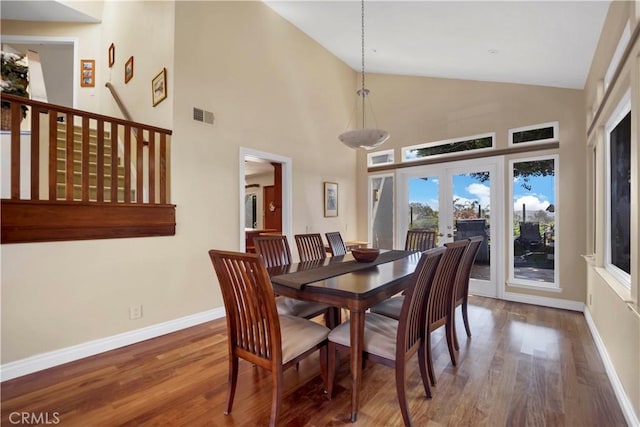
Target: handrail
x,y
116,97
86,167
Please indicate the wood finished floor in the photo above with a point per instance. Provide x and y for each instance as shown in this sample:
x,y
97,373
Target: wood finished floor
x,y
524,366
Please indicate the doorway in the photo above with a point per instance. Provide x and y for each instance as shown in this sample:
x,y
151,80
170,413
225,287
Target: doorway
x,y
457,200
274,212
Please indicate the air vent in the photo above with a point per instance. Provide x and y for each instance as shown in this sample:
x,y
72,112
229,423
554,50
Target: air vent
x,y
203,116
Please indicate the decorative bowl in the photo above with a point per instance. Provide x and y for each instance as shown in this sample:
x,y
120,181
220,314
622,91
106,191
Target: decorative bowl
x,y
365,254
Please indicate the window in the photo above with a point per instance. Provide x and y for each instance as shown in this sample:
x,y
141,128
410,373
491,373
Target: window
x,y
450,146
546,132
618,192
534,222
380,158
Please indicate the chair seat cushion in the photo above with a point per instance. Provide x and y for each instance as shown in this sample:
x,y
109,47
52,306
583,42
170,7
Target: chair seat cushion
x,y
390,307
299,335
295,307
379,335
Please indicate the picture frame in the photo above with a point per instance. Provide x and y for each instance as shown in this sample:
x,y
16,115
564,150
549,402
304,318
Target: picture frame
x,y
159,87
87,72
330,199
128,70
112,55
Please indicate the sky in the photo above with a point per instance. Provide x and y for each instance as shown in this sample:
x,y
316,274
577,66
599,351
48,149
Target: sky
x,y
467,188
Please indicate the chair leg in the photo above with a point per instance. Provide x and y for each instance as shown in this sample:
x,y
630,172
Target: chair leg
x,y
456,345
233,380
401,389
422,362
331,368
323,366
465,317
449,334
332,317
427,345
276,388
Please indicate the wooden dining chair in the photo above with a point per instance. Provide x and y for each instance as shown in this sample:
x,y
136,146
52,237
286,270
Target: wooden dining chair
x,y
255,330
393,342
439,306
276,252
336,244
310,247
461,287
420,240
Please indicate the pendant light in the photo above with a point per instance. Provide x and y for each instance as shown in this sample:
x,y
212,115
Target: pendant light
x,y
363,138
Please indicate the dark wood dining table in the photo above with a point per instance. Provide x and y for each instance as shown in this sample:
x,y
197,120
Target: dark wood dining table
x,y
345,283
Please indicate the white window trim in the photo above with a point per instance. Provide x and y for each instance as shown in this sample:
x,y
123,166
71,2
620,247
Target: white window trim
x,y
446,141
389,153
623,108
556,133
617,55
532,284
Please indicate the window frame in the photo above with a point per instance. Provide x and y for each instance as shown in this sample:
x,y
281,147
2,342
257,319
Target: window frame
x,y
389,153
405,150
556,134
525,283
619,113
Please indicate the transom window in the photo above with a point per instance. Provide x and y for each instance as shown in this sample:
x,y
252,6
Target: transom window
x,y
447,147
546,132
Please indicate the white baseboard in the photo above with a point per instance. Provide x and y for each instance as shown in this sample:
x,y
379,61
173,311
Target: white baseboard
x,y
544,301
618,389
69,354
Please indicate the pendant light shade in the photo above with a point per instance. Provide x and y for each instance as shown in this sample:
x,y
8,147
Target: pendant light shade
x,y
366,138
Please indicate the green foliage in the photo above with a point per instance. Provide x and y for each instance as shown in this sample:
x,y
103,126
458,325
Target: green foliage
x,y
14,78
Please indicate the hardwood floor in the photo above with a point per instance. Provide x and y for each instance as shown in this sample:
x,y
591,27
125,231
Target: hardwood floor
x,y
524,366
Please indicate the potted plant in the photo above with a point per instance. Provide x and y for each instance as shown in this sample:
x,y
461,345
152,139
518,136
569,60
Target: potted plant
x,y
14,82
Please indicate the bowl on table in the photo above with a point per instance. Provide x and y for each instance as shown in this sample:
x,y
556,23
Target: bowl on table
x,y
365,254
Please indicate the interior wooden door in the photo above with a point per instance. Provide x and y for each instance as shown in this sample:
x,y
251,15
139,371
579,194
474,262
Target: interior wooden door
x,y
272,209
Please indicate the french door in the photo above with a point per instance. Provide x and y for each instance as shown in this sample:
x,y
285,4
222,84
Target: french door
x,y
457,200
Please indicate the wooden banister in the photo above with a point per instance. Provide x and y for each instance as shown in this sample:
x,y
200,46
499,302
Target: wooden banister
x,y
83,169
116,97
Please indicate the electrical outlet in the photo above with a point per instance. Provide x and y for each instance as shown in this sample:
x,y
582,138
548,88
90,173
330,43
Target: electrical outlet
x,y
135,312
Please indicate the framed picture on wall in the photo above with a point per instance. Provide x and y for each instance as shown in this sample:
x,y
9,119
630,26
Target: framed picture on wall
x,y
330,199
88,72
112,55
159,87
128,70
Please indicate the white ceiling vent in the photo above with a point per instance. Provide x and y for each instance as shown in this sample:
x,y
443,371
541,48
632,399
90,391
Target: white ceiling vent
x,y
200,115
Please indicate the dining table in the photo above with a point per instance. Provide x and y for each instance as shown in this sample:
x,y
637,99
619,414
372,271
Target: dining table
x,y
345,283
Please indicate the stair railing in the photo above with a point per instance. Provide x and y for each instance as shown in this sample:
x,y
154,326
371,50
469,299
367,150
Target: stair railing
x,y
39,177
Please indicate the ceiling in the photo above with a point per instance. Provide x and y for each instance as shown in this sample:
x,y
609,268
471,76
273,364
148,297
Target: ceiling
x,y
548,43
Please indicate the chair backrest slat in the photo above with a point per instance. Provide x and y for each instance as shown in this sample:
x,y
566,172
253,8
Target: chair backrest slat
x,y
466,264
274,250
310,247
441,296
336,244
252,317
413,312
420,240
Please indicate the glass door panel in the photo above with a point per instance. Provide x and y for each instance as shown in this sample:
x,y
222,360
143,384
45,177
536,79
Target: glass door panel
x,y
424,204
381,211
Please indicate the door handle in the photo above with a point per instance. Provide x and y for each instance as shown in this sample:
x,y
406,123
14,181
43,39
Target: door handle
x,y
449,235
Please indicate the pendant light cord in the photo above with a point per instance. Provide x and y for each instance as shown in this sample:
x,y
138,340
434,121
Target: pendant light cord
x,y
364,93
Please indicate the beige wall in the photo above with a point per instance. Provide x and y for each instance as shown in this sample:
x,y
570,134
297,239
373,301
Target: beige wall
x,y
616,324
271,89
417,110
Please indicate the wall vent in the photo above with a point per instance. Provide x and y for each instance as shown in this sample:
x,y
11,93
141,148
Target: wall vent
x,y
203,116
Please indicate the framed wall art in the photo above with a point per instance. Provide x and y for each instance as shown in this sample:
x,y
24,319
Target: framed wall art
x,y
112,55
87,72
128,70
330,199
159,87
